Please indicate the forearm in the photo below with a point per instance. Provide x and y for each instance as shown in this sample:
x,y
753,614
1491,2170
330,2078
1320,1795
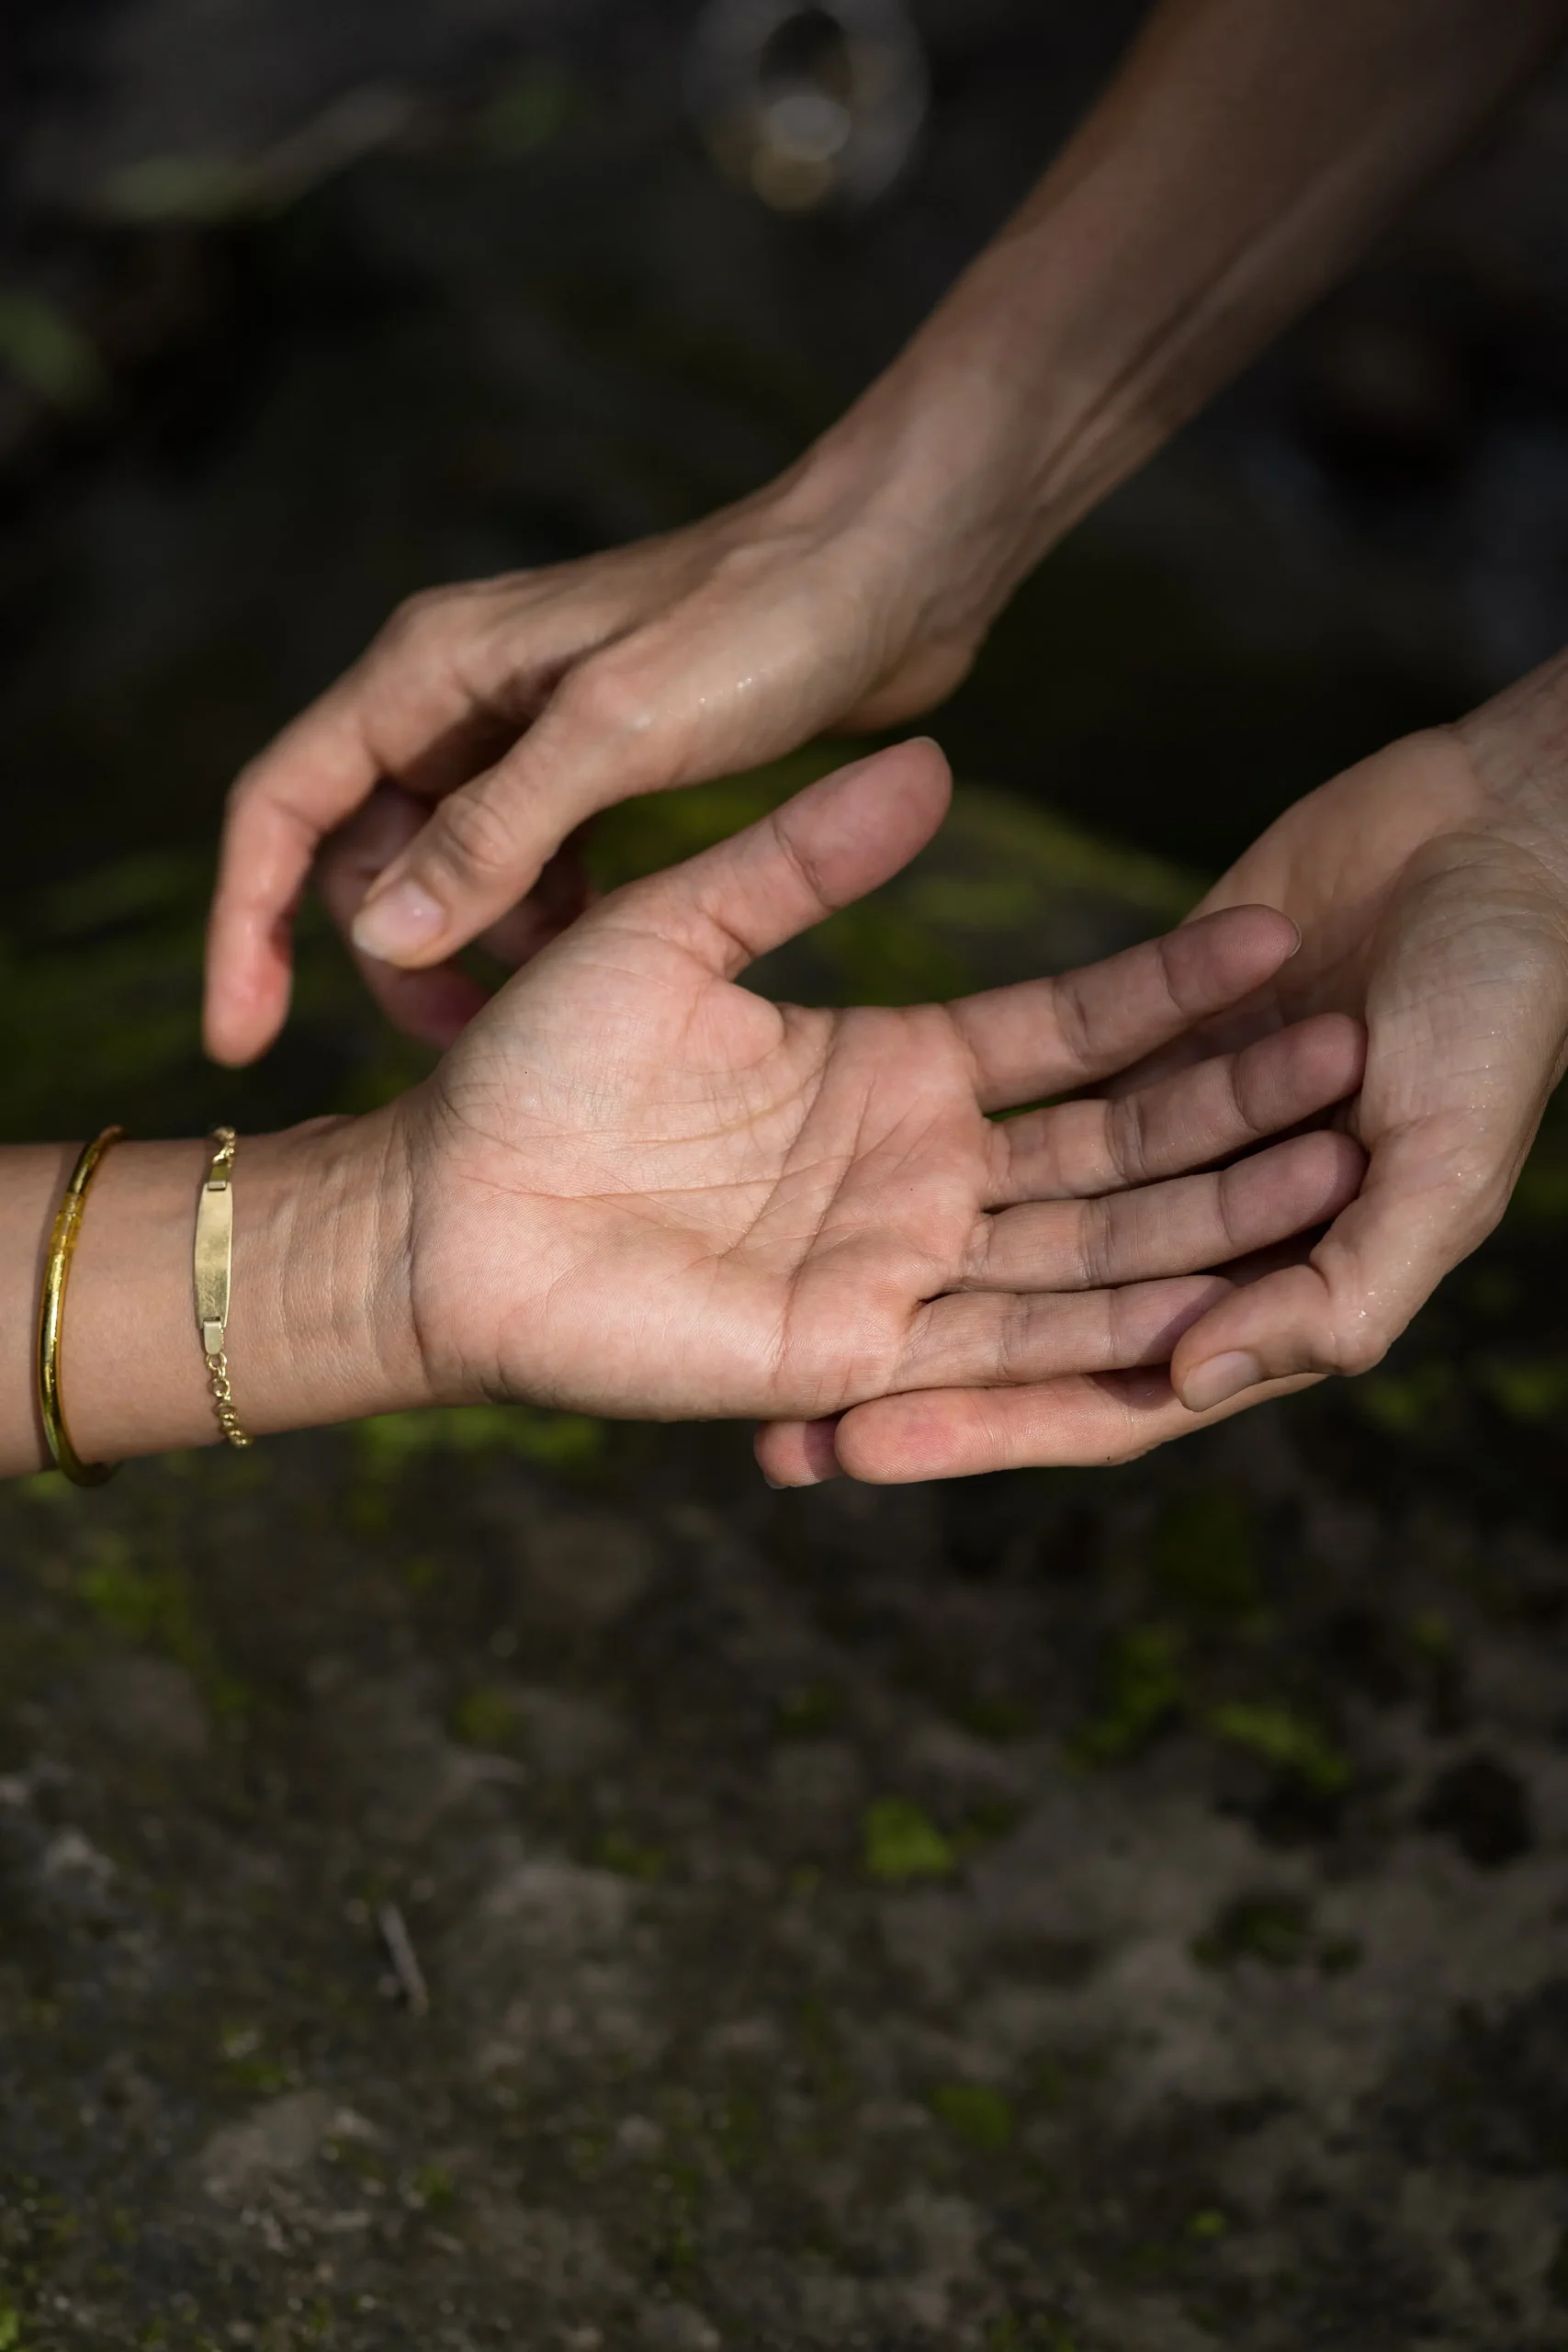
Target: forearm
x,y
1242,159
320,1328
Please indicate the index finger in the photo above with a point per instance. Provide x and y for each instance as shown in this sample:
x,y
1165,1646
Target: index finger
x,y
283,805
1049,1036
404,711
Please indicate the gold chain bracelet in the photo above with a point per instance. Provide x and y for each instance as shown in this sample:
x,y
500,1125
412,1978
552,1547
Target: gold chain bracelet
x,y
51,1316
214,1261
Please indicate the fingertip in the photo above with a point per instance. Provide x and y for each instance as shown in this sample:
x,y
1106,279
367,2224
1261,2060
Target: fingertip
x,y
1345,1166
798,1454
914,776
400,924
1280,1327
1257,940
1335,1047
899,1441
1219,1378
239,1022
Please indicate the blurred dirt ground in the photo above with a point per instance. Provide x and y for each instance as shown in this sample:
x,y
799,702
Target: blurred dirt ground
x,y
1057,1910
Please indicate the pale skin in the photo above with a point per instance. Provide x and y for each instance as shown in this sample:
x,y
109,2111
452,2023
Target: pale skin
x,y
1430,883
1241,160
634,1186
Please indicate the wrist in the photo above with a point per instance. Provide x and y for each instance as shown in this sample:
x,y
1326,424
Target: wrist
x,y
932,470
319,1329
1516,747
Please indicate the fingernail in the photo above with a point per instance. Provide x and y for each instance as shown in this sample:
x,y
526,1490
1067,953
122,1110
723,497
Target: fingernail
x,y
1210,1383
394,925
777,1483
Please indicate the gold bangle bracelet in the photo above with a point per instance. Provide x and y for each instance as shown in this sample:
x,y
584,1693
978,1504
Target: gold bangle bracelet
x,y
213,1262
51,1316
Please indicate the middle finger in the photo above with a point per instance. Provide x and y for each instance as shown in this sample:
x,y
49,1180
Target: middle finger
x,y
1074,1150
1177,1228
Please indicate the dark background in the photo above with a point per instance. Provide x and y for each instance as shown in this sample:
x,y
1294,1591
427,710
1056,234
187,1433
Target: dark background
x,y
303,309
1086,1911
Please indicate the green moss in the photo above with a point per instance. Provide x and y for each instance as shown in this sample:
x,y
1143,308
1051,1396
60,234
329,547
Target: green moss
x,y
524,114
1431,1634
1402,1403
1276,1929
1144,1685
1556,2280
997,1718
984,1822
432,2187
1011,2334
152,1605
48,351
1527,1388
1207,2224
974,2113
810,1707
182,187
901,1841
617,1850
555,1441
486,1717
1203,1554
1284,1738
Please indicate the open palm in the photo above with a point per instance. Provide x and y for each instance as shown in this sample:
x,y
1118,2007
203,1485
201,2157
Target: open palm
x,y
1429,884
640,1188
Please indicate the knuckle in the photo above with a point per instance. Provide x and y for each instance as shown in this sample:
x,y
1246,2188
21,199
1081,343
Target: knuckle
x,y
248,785
1096,1240
472,833
1014,1342
1073,1019
1250,1081
1484,1197
611,700
413,619
1127,1135
1361,1350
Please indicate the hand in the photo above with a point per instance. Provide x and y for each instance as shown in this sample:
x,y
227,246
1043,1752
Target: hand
x,y
1431,885
853,592
637,1187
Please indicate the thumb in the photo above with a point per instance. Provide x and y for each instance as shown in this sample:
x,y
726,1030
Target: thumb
x,y
824,849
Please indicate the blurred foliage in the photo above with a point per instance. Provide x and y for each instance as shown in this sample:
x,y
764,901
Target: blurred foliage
x,y
524,113
486,1718
390,1442
1144,1684
1203,1554
902,1841
180,187
100,979
1279,1735
975,2113
1277,1929
49,351
1528,1388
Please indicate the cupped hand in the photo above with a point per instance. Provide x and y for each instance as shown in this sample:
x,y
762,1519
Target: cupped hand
x,y
636,1187
513,709
1430,887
